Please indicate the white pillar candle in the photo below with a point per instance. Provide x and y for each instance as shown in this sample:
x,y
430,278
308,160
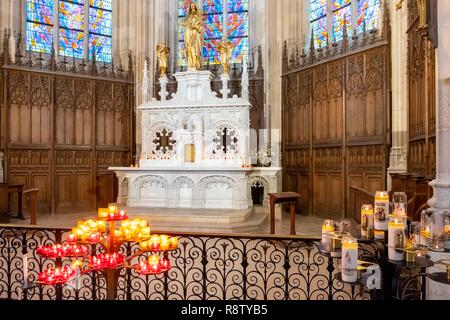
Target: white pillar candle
x,y
396,238
381,211
349,260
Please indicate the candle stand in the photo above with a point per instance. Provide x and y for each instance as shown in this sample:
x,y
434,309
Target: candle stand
x,y
83,241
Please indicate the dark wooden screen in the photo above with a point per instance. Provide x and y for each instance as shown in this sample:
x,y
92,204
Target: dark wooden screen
x,y
336,121
422,98
63,125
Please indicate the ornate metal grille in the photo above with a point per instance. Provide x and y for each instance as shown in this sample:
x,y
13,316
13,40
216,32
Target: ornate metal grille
x,y
205,267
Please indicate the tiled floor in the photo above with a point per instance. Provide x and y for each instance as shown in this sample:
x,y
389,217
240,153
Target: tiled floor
x,y
306,226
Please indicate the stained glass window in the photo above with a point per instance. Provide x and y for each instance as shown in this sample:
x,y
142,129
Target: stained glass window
x,y
71,28
342,13
319,22
328,17
39,28
100,30
213,11
220,16
368,14
237,25
82,24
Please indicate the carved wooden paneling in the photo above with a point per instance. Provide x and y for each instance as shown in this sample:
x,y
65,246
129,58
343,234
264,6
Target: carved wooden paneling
x,y
56,124
291,105
338,110
422,98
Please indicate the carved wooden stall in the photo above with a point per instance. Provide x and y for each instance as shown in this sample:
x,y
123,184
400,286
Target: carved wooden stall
x,y
422,106
63,123
336,120
256,89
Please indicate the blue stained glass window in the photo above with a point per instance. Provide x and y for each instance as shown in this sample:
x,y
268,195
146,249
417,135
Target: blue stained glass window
x,y
71,15
237,5
236,24
73,37
102,4
100,30
330,16
368,14
39,26
102,46
318,17
71,29
71,43
341,17
100,21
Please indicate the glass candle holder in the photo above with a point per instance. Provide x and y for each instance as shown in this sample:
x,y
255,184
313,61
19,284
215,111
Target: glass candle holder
x,y
421,251
410,253
327,239
437,244
447,230
345,226
414,233
367,222
400,201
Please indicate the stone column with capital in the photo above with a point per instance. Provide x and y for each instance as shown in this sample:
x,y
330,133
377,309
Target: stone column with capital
x,y
399,55
441,185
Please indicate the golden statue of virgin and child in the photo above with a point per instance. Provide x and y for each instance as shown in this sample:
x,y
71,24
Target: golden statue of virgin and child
x,y
194,28
194,25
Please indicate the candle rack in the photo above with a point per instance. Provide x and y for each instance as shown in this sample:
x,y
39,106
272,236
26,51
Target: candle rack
x,y
103,232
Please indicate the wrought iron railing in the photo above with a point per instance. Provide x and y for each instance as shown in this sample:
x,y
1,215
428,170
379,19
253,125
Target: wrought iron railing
x,y
205,267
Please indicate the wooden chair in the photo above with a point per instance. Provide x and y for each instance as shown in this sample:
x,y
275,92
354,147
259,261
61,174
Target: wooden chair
x,y
12,190
290,198
32,196
358,198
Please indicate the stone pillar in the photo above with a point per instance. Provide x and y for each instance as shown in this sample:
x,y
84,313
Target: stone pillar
x,y
441,186
284,21
399,57
12,17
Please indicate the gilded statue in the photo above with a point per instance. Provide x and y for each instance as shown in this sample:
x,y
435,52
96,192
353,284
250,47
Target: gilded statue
x,y
194,25
163,52
423,19
225,50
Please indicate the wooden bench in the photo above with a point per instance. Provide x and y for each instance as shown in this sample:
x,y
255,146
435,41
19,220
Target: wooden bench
x,y
290,198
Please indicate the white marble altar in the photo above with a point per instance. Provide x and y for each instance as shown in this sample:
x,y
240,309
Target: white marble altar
x,y
195,150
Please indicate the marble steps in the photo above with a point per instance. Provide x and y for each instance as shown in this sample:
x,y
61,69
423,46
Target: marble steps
x,y
201,220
